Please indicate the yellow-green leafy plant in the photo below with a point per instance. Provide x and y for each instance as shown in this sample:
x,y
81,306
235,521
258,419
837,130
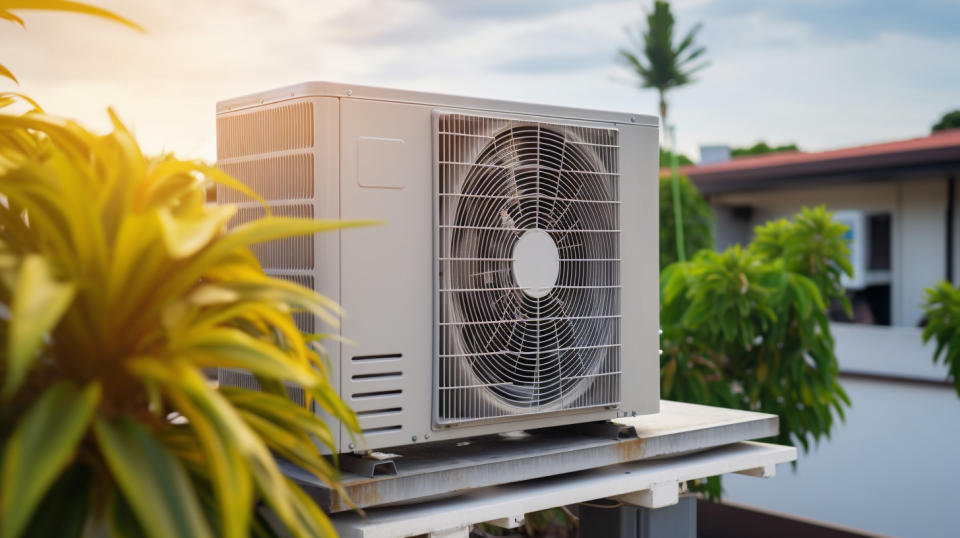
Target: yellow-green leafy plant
x,y
118,284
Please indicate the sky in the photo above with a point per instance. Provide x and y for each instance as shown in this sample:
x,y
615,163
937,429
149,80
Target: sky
x,y
819,73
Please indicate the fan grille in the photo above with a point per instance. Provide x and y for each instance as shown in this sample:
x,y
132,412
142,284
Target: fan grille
x,y
504,350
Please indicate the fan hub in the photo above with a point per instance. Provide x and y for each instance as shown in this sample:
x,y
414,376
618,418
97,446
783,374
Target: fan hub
x,y
536,263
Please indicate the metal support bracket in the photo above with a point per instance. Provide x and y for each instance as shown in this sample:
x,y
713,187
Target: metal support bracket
x,y
766,471
368,465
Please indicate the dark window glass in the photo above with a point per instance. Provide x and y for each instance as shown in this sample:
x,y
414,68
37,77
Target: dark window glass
x,y
878,253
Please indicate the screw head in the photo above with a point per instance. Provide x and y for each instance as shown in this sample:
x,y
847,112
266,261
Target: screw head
x,y
633,119
349,92
414,438
350,446
426,436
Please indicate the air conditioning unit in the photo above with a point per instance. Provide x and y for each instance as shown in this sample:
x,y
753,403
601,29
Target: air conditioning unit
x,y
514,284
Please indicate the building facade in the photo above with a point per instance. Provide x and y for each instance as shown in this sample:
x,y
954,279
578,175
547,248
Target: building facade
x,y
895,456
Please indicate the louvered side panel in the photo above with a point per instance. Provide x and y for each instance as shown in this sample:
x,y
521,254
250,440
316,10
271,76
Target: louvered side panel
x,y
288,154
268,129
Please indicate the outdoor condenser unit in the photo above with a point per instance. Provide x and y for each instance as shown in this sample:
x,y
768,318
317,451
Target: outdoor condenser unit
x,y
514,284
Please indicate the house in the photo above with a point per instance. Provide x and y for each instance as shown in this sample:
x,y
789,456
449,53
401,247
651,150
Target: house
x,y
901,201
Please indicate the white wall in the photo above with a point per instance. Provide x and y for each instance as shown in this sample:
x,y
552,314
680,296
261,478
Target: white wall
x,y
918,210
890,351
892,468
922,225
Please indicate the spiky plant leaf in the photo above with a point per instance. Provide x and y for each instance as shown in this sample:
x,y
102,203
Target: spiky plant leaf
x,y
40,447
117,273
37,306
8,6
942,309
6,73
116,276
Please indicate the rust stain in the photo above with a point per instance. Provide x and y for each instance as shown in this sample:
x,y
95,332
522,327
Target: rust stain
x,y
362,495
632,450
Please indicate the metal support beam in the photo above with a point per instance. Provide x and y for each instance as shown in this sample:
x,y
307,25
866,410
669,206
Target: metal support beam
x,y
509,522
429,470
456,532
657,496
767,471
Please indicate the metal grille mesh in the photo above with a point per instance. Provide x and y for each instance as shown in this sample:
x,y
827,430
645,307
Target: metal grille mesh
x,y
270,150
283,177
503,352
230,377
278,128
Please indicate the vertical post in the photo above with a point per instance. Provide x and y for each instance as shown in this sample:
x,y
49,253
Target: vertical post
x,y
612,519
951,203
675,184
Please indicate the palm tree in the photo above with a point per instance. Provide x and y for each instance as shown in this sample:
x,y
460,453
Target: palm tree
x,y
657,62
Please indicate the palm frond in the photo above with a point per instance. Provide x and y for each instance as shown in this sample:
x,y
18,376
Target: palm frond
x,y
7,6
654,56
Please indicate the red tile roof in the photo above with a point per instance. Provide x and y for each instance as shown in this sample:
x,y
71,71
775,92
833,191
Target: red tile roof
x,y
939,148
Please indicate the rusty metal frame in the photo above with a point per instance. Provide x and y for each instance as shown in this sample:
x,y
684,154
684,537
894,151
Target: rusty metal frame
x,y
445,467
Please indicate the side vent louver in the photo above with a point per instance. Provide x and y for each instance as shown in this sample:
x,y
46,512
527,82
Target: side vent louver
x,y
376,392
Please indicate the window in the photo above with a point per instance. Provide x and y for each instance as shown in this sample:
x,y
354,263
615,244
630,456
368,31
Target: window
x,y
868,291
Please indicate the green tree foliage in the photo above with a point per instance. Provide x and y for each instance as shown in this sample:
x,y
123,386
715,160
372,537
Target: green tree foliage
x,y
950,120
747,328
665,156
656,59
697,221
761,148
942,308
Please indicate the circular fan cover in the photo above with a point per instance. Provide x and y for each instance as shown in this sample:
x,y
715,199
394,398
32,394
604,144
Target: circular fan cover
x,y
530,272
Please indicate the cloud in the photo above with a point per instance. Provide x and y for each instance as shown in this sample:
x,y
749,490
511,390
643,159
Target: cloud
x,y
553,63
840,75
847,20
505,9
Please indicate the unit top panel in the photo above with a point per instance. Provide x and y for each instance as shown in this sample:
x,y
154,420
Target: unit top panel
x,y
352,91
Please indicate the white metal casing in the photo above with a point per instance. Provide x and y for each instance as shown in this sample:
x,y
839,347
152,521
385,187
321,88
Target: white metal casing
x,y
370,153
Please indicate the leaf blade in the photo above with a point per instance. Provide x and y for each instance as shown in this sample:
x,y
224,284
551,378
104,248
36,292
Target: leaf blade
x,y
38,303
165,504
6,73
40,448
67,5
